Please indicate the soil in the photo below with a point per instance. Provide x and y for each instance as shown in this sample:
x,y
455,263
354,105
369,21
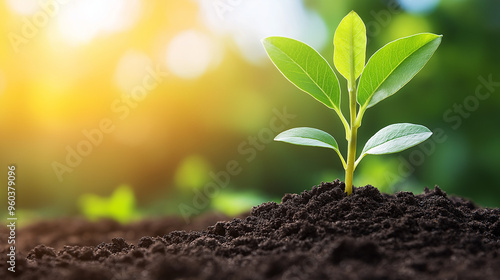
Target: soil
x,y
318,234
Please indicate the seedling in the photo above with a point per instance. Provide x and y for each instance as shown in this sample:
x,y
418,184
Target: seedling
x,y
120,206
388,70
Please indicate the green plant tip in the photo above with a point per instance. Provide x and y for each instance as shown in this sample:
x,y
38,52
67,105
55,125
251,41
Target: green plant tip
x,y
385,73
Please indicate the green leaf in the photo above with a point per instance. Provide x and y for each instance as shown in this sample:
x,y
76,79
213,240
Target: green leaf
x,y
394,65
305,68
395,138
308,136
350,46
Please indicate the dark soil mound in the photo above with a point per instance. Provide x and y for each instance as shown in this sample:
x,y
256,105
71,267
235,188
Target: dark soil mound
x,y
319,234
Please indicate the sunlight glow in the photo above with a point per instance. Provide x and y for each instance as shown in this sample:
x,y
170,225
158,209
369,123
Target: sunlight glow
x,y
191,53
23,7
82,20
247,22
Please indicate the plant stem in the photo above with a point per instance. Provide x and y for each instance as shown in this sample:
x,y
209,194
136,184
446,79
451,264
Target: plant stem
x,y
351,157
351,146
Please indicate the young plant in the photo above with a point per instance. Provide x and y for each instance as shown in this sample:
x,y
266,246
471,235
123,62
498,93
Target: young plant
x,y
388,70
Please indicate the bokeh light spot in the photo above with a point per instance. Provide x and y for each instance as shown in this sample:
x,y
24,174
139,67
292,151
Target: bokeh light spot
x,y
419,6
192,173
191,53
82,20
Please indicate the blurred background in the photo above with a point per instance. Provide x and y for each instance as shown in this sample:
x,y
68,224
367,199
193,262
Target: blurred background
x,y
134,108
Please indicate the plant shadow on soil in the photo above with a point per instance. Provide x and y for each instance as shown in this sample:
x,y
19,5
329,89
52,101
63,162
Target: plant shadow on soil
x,y
318,234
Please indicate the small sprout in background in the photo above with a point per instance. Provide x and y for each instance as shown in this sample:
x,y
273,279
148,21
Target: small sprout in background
x,y
120,206
235,203
193,174
387,71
